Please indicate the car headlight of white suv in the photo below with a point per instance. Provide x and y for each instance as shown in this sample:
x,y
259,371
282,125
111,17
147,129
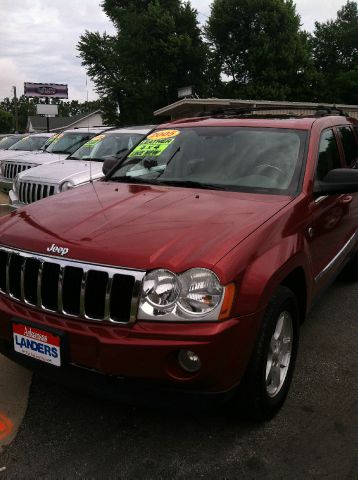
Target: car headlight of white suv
x,y
66,186
193,295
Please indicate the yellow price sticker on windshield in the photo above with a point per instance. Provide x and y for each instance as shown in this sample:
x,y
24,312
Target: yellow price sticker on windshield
x,y
93,141
151,148
57,138
161,134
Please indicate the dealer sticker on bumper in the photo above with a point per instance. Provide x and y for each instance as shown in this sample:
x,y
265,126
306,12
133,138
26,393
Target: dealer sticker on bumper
x,y
38,344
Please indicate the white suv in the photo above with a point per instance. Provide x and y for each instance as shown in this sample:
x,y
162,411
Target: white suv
x,y
78,169
62,145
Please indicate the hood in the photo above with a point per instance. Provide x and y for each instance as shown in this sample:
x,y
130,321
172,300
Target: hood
x,y
38,157
5,154
76,171
139,226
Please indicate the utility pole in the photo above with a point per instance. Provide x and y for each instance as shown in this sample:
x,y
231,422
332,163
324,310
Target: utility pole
x,y
47,117
16,112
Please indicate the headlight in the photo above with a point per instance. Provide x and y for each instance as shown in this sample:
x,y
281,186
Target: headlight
x,y
66,186
201,291
161,289
193,295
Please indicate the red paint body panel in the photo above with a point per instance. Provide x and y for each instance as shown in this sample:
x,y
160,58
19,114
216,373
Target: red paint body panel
x,y
256,241
141,227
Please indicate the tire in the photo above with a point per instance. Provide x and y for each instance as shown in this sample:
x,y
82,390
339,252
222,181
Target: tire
x,y
267,380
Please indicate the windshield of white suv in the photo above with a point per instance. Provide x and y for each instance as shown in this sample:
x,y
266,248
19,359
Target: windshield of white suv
x,y
49,141
266,160
29,144
7,142
68,142
106,145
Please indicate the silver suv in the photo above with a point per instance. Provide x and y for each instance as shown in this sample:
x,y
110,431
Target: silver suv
x,y
78,169
61,146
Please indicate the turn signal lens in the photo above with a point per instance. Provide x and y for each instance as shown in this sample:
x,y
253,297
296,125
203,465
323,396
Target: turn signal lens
x,y
228,301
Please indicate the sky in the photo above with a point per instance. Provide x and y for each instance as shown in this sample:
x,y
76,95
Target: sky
x,y
38,39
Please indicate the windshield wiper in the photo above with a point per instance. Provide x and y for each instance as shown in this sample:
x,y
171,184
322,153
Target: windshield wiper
x,y
174,183
128,179
192,184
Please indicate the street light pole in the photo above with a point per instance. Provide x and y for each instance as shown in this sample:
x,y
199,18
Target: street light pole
x,y
16,112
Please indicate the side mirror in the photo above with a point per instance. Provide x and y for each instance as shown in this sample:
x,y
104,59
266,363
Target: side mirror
x,y
111,162
337,181
108,164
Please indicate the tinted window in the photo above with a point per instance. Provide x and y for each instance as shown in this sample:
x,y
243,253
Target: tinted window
x,y
350,145
6,142
68,142
230,158
106,145
29,144
328,157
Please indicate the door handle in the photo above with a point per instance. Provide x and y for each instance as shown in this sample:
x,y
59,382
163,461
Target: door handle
x,y
346,200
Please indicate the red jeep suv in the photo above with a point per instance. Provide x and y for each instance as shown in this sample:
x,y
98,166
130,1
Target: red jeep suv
x,y
192,264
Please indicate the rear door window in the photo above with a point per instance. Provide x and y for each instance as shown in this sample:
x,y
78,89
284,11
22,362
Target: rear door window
x,y
350,145
328,156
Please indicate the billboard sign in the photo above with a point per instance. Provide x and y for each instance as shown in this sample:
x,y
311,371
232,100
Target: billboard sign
x,y
48,110
47,90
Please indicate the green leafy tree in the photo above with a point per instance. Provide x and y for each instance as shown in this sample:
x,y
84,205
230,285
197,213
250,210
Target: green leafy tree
x,y
6,122
261,50
25,107
74,107
335,47
157,48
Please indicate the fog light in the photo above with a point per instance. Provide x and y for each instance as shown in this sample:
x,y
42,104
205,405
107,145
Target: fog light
x,y
189,361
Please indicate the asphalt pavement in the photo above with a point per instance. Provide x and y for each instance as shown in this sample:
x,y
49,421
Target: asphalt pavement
x,y
70,435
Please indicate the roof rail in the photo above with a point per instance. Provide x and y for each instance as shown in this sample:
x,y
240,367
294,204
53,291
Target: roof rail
x,y
320,111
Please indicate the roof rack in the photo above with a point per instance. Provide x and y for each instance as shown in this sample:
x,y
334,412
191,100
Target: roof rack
x,y
320,111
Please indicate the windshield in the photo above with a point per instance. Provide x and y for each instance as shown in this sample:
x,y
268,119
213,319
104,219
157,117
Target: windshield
x,y
7,142
29,143
68,142
107,145
49,141
263,160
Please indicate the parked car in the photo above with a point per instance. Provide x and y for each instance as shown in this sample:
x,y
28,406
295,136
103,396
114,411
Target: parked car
x,y
62,145
28,143
8,140
192,264
78,169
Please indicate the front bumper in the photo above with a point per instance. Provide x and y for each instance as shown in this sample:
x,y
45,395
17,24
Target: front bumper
x,y
145,351
14,200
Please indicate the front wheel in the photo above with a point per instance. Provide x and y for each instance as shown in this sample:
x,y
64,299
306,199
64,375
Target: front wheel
x,y
267,380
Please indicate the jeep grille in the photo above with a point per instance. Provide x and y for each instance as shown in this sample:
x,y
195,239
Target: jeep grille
x,y
31,192
70,288
10,169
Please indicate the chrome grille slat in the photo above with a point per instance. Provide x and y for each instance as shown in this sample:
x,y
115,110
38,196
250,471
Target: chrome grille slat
x,y
22,281
107,301
95,281
59,289
31,192
8,272
83,293
39,284
12,169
